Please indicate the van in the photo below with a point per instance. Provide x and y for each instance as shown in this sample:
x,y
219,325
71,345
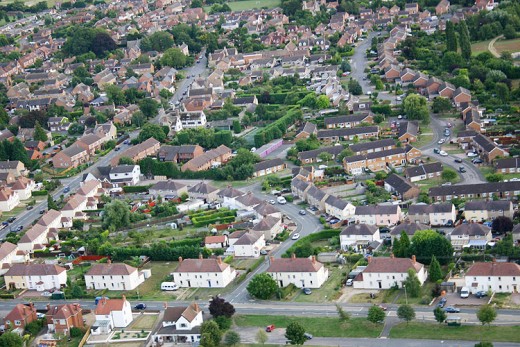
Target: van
x,y
281,200
169,286
464,292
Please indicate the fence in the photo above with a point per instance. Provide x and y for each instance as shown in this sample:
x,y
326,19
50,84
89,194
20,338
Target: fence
x,y
88,258
85,337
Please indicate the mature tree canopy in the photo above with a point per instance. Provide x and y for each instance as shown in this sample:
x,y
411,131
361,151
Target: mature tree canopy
x,y
85,39
426,243
220,307
449,175
416,108
151,130
376,314
210,334
486,314
262,286
232,338
412,283
465,44
502,224
158,41
406,313
451,38
149,107
440,314
435,272
117,215
174,57
441,105
295,334
39,133
10,339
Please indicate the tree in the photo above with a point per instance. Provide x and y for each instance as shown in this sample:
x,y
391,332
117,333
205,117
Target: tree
x,y
440,315
102,43
325,156
158,41
151,130
412,283
126,161
451,38
220,307
210,333
322,102
232,338
174,57
354,87
448,175
149,107
426,243
138,119
441,105
465,44
509,32
502,224
115,94
117,215
295,334
486,314
39,133
401,246
376,314
76,291
10,339
262,286
236,126
261,336
435,272
494,177
51,204
406,313
33,328
484,344
416,108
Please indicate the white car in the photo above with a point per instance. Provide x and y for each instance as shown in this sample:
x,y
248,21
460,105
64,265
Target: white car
x,y
400,117
441,141
398,98
272,202
472,154
444,154
295,236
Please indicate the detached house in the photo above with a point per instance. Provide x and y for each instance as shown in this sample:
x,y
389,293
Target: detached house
x,y
301,272
20,316
385,273
180,325
497,277
113,277
110,314
203,273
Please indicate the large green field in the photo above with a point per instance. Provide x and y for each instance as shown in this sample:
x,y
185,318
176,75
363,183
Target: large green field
x,y
249,4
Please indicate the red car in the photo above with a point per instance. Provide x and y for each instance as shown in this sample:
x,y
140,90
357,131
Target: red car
x,y
269,328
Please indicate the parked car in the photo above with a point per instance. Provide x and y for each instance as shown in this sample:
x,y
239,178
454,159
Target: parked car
x,y
30,207
269,328
464,293
66,190
20,228
441,141
272,202
481,294
11,219
302,212
350,282
140,306
477,161
42,211
443,153
436,150
472,154
442,302
458,160
451,309
263,252
383,307
307,291
295,236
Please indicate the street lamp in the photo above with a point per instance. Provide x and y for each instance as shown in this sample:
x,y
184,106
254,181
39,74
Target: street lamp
x,y
405,295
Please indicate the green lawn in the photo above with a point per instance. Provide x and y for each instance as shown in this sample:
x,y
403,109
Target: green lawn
x,y
145,321
465,332
486,170
425,185
330,290
426,291
317,326
479,47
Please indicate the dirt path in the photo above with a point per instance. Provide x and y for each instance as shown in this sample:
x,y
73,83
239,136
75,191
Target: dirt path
x,y
491,46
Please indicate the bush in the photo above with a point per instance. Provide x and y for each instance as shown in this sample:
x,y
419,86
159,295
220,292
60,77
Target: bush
x,y
39,193
34,328
136,189
224,323
287,291
76,332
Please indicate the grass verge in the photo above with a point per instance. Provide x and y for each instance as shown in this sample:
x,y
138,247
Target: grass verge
x,y
330,290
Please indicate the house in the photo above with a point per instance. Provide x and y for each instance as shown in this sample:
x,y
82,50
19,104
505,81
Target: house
x,y
264,209
461,95
111,276
316,197
481,211
20,316
348,134
301,272
91,143
270,226
61,318
487,191
180,324
378,214
39,277
424,171
58,124
401,187
358,236
168,189
470,235
299,188
349,121
193,119
179,154
268,167
432,214
372,146
216,242
72,156
111,314
149,147
203,191
508,165
14,167
9,199
203,273
408,131
246,243
307,130
496,277
381,161
212,158
388,272
313,156
442,7
23,187
124,175
8,253
339,208
487,149
409,228
228,196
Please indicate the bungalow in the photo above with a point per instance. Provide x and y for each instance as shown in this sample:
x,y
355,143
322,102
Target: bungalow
x,y
301,272
216,242
432,214
268,167
358,236
508,165
384,215
180,325
113,277
423,171
494,276
480,211
372,146
401,187
203,273
385,273
470,235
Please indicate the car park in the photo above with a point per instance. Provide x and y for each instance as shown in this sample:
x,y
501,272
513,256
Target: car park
x,y
140,306
307,291
451,309
295,236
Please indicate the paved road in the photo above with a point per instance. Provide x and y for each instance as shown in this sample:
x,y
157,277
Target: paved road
x,y
472,174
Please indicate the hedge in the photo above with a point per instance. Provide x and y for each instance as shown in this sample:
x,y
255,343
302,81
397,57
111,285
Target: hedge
x,y
285,292
40,193
278,128
213,221
322,235
7,296
136,189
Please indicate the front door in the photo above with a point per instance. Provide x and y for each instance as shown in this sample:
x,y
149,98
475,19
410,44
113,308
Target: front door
x,y
380,284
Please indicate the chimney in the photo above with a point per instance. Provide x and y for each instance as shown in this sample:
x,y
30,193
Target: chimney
x,y
293,256
165,305
123,297
313,259
271,259
200,256
392,255
369,259
180,259
219,260
413,259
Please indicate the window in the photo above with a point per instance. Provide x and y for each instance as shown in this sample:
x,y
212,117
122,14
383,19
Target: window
x,y
500,278
17,322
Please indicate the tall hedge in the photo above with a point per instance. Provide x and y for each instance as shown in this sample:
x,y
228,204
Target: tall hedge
x,y
278,128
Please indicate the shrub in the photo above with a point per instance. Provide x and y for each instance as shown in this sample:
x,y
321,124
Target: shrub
x,y
76,332
39,193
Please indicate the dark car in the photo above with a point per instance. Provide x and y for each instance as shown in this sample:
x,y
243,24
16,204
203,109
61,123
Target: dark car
x,y
30,207
20,228
12,219
462,169
451,309
140,306
477,161
442,302
436,150
5,223
458,160
42,211
66,190
481,294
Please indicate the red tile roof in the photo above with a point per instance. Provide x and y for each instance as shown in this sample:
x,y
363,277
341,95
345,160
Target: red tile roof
x,y
494,269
